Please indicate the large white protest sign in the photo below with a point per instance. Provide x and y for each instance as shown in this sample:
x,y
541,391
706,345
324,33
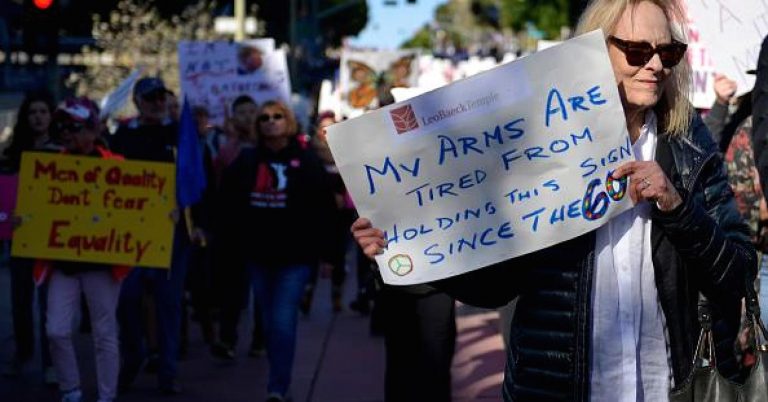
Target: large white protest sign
x,y
733,32
213,74
498,165
364,73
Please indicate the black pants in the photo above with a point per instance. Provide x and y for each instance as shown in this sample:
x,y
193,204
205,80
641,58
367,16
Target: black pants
x,y
420,338
232,290
22,307
199,284
342,238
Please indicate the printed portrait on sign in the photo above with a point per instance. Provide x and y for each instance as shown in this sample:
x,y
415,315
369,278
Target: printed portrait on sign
x,y
249,59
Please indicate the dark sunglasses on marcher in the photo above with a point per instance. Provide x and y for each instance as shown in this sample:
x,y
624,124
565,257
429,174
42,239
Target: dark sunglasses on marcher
x,y
639,54
70,127
266,117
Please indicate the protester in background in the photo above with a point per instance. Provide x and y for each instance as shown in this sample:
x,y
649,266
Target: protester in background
x,y
275,189
200,281
419,327
244,113
231,273
745,183
212,136
760,144
343,217
725,89
683,237
174,107
31,132
78,120
239,131
32,129
726,113
152,136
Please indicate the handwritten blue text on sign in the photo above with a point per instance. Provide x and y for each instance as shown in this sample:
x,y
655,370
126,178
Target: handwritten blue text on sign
x,y
492,167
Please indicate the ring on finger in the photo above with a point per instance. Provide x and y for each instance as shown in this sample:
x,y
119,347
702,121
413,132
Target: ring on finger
x,y
646,183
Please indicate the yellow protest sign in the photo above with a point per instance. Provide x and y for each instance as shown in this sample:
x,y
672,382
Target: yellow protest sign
x,y
95,210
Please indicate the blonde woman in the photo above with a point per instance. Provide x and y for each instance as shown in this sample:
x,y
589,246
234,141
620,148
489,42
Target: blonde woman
x,y
612,315
273,190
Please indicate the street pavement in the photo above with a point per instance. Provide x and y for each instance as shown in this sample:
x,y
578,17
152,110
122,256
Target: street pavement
x,y
337,360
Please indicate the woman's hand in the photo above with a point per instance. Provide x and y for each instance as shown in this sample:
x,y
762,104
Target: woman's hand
x,y
369,238
648,182
199,237
724,89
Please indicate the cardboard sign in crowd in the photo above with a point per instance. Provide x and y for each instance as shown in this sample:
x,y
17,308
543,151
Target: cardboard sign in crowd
x,y
733,32
364,74
214,74
95,210
504,163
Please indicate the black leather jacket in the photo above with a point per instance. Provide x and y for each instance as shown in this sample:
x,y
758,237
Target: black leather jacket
x,y
702,246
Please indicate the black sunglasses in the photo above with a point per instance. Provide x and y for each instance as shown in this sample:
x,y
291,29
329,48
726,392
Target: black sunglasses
x,y
70,127
639,54
266,117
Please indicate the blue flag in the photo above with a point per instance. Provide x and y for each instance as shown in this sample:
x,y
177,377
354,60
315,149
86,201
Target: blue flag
x,y
190,173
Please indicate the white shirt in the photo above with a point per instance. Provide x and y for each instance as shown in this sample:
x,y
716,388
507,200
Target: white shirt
x,y
629,360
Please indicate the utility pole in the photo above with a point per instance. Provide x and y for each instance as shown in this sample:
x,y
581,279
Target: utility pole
x,y
293,38
239,20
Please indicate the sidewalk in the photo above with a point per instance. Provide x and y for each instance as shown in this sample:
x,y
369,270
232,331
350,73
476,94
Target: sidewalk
x,y
336,361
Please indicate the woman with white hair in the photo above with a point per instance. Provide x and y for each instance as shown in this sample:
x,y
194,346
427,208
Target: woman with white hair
x,y
612,315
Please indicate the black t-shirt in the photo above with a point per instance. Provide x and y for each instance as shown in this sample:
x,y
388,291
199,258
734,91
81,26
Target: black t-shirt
x,y
277,199
145,142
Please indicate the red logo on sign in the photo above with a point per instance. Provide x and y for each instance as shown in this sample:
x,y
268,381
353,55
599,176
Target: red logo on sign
x,y
404,119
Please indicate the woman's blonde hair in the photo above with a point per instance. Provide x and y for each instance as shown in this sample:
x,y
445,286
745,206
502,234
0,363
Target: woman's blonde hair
x,y
674,110
292,127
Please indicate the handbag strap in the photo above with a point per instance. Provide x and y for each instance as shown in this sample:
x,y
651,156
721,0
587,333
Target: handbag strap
x,y
705,336
752,305
753,313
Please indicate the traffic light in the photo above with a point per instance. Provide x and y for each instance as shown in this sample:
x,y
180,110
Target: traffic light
x,y
41,26
42,5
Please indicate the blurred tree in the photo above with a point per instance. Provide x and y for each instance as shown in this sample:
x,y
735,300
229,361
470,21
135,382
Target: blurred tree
x,y
463,19
457,26
422,39
76,15
547,15
136,34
